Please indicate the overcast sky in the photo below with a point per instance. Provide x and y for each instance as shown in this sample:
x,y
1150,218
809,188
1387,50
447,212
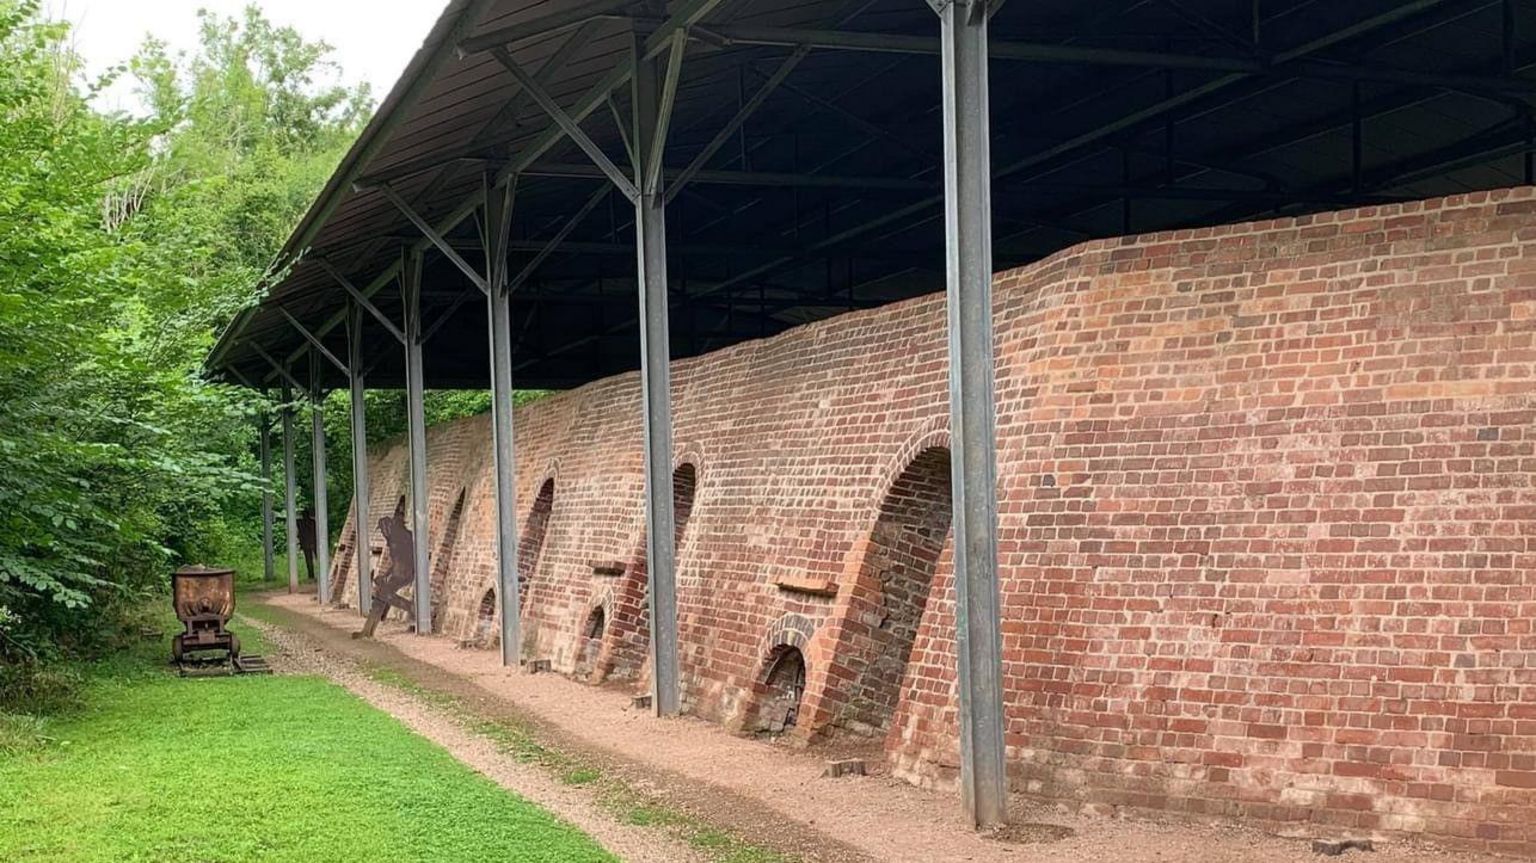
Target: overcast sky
x,y
373,39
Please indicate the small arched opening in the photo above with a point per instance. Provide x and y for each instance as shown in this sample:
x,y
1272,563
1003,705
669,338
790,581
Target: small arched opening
x,y
782,687
485,620
684,481
592,632
531,546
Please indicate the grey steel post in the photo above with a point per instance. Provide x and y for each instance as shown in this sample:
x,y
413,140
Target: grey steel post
x,y
416,423
362,545
264,434
498,218
968,242
290,493
322,503
656,387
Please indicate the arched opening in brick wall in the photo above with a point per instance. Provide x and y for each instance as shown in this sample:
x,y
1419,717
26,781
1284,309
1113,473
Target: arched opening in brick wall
x,y
485,620
684,482
631,614
444,555
347,549
780,690
592,632
535,527
895,577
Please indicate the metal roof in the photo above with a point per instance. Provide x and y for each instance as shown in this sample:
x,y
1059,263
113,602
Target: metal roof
x,y
1108,118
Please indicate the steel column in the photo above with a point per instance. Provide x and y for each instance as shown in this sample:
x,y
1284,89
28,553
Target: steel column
x,y
416,423
264,433
322,503
362,543
498,218
968,244
656,388
290,493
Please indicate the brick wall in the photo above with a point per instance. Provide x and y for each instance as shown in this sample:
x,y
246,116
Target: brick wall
x,y
1266,503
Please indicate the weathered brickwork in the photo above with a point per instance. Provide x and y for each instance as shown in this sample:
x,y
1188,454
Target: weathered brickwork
x,y
1265,524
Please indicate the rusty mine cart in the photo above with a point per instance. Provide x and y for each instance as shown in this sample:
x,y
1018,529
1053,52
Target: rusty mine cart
x,y
204,599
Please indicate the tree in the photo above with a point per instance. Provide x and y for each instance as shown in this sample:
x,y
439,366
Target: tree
x,y
124,243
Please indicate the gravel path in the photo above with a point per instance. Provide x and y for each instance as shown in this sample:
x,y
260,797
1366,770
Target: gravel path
x,y
775,794
297,654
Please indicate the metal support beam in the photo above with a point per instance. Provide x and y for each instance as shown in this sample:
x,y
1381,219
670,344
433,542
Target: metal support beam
x,y
656,388
770,179
570,126
623,127
550,247
968,243
290,493
362,523
318,345
363,302
541,26
1283,64
281,370
1210,28
446,316
498,221
264,433
432,235
416,426
650,163
322,502
742,115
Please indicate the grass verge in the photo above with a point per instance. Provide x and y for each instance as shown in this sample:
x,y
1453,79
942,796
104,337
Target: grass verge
x,y
625,802
155,767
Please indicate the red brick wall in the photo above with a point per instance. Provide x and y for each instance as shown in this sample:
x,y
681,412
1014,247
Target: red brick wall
x,y
1265,508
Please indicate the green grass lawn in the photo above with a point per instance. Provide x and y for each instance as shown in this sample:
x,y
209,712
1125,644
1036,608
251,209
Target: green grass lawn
x,y
158,768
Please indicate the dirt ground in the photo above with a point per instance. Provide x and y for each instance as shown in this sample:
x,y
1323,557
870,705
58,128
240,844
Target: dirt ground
x,y
772,794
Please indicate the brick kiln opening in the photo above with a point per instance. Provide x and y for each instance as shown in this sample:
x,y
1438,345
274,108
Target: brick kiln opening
x,y
782,687
444,555
345,558
532,544
631,623
591,644
684,480
902,555
486,634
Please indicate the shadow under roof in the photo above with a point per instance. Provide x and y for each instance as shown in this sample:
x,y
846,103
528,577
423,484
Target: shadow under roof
x,y
1108,118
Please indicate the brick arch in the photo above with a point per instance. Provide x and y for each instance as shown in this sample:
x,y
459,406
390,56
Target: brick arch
x,y
486,629
442,556
592,650
689,452
888,579
934,433
779,685
629,630
530,544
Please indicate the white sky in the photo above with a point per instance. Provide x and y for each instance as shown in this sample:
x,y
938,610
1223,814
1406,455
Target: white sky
x,y
373,39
